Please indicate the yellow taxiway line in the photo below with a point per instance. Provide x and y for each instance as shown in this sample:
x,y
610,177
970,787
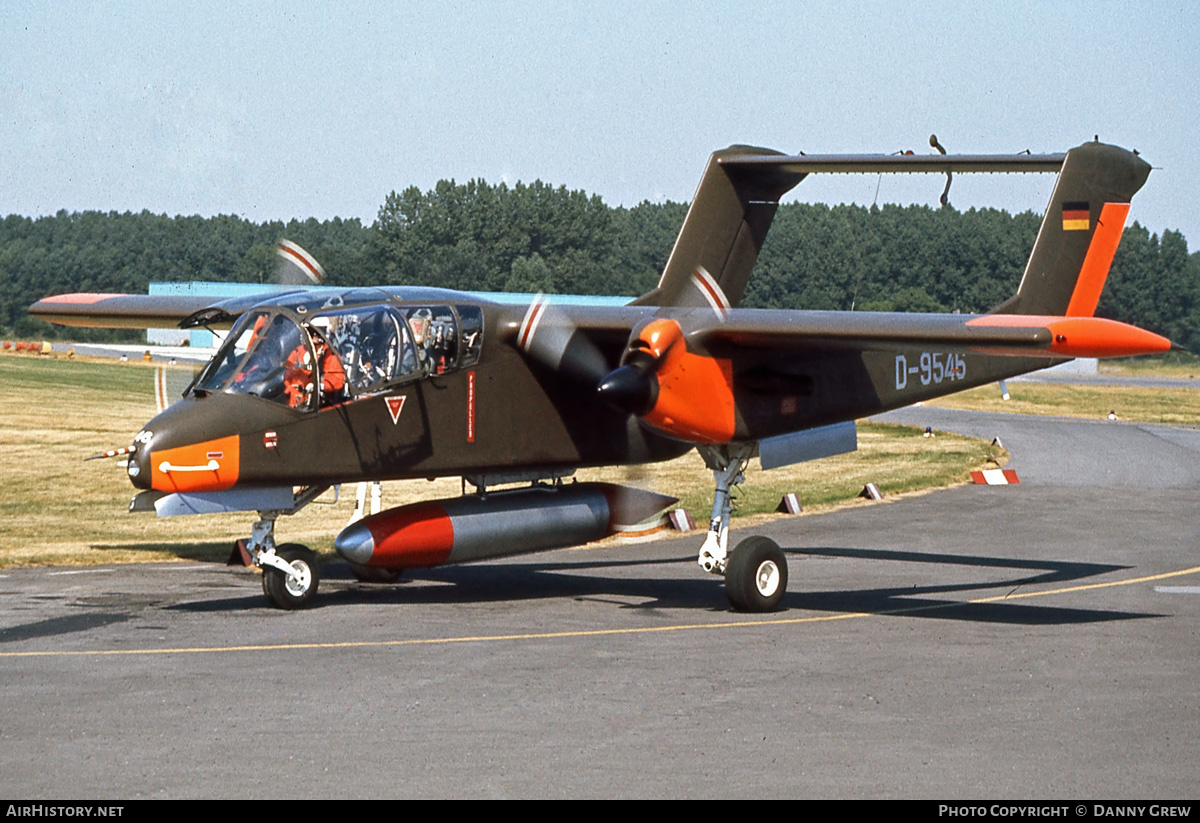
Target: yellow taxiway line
x,y
429,641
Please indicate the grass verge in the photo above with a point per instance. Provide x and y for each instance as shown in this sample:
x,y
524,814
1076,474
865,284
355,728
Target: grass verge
x,y
1174,364
1147,405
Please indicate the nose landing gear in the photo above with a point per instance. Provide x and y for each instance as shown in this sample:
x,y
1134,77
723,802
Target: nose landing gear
x,y
296,588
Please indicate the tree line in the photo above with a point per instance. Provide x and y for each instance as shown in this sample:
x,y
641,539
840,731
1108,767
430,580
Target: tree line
x,y
536,237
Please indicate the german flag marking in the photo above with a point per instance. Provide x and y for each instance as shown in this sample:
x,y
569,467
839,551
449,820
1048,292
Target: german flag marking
x,y
1076,216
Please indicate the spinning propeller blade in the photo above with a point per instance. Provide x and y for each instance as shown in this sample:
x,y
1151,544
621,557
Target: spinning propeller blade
x,y
548,336
296,267
684,394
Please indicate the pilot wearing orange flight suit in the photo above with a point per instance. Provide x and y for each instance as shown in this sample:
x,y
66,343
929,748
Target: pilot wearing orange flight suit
x,y
333,375
298,377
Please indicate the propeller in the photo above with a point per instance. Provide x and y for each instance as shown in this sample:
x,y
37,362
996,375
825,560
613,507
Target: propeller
x,y
548,336
633,386
296,267
687,395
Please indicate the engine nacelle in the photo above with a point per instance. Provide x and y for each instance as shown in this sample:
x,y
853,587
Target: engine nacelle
x,y
689,396
496,524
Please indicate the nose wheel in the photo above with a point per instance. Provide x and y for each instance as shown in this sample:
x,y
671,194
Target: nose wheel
x,y
756,575
297,588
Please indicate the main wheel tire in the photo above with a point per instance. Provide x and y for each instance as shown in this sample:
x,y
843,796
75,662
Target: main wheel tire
x,y
756,575
371,574
282,590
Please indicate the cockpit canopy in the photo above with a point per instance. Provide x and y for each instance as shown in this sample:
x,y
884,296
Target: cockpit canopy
x,y
340,354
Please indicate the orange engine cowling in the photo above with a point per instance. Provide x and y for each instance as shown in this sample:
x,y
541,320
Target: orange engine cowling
x,y
686,395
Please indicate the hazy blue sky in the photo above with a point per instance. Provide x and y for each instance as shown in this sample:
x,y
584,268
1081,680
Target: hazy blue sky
x,y
280,110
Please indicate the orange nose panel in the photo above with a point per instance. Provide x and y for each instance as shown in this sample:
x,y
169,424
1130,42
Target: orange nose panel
x,y
199,467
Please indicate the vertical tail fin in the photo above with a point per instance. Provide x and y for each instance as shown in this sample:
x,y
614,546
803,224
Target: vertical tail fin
x,y
722,233
1080,232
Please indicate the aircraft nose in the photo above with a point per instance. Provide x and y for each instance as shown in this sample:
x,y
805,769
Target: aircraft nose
x,y
138,467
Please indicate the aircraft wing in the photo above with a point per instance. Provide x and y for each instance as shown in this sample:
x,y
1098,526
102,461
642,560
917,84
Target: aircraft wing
x,y
120,311
157,311
725,333
999,334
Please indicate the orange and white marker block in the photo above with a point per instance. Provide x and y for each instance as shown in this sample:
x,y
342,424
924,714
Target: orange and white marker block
x,y
994,477
681,521
790,504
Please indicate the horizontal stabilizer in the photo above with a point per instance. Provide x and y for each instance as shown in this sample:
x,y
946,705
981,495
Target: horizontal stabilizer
x,y
896,163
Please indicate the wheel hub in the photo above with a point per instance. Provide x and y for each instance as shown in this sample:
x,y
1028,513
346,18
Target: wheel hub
x,y
301,578
767,578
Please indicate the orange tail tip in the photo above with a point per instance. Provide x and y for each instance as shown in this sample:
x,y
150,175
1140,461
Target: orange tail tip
x,y
1083,336
1097,337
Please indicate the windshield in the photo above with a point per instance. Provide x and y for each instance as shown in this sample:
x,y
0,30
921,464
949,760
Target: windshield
x,y
265,355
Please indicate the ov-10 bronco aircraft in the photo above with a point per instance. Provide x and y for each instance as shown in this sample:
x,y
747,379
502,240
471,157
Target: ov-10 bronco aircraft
x,y
313,388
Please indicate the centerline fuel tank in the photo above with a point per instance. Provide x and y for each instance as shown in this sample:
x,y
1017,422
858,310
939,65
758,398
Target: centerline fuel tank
x,y
497,524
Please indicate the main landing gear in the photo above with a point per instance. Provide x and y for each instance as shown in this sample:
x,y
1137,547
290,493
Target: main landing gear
x,y
755,571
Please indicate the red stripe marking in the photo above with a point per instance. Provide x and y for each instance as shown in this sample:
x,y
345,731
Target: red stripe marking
x,y
535,311
710,287
300,261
